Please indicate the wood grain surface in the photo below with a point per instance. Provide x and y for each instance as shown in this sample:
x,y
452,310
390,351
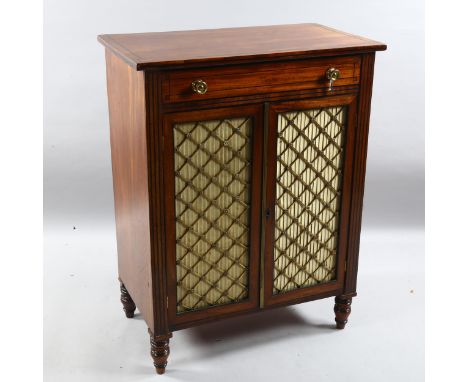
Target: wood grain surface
x,y
263,43
127,117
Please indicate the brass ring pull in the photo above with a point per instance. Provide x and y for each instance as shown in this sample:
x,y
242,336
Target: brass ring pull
x,y
199,86
332,75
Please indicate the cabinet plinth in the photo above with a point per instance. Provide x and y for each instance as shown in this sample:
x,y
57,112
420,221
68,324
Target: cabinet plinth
x,y
238,170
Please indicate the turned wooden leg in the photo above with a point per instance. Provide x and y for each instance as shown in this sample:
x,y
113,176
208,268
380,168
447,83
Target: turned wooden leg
x,y
127,302
159,351
342,310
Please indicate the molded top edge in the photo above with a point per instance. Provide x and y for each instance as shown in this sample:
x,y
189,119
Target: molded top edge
x,y
160,49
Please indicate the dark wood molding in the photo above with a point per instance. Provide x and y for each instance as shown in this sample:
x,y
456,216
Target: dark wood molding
x,y
256,98
155,149
359,173
214,318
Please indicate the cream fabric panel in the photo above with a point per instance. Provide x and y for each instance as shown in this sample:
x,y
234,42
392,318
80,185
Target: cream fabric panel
x,y
309,162
212,185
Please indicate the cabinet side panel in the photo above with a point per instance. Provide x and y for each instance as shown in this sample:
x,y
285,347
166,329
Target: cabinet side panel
x,y
127,116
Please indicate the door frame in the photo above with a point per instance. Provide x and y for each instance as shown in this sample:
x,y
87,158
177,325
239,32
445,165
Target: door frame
x,y
254,111
270,299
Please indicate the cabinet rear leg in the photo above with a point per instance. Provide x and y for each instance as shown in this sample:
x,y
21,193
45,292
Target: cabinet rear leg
x,y
342,310
160,351
127,302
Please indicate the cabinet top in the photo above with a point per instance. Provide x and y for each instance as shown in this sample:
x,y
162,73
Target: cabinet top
x,y
248,44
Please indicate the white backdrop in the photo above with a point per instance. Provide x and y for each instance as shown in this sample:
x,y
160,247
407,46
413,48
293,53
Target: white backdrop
x,y
86,336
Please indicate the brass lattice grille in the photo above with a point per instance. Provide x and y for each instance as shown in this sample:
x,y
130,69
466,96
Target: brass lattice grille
x,y
212,197
308,190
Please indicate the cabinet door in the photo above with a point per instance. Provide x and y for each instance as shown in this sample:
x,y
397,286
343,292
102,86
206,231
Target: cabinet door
x,y
308,179
212,176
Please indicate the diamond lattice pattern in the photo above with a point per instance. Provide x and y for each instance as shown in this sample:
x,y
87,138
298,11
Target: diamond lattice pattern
x,y
212,198
308,190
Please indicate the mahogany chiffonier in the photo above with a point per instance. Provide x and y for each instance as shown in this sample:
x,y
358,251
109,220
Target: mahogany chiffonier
x,y
238,159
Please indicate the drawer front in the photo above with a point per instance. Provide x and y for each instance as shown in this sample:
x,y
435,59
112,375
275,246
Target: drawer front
x,y
177,86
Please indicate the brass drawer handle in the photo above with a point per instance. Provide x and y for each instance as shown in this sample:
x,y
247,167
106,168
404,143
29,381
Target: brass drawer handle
x,y
199,86
332,75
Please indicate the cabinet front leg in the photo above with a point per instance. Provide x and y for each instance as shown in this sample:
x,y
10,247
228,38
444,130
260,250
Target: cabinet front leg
x,y
127,302
342,310
160,351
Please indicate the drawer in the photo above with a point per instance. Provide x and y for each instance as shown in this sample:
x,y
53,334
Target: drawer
x,y
244,80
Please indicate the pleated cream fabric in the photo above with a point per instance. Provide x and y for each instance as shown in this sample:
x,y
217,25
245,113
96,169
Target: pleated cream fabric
x,y
212,185
308,190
